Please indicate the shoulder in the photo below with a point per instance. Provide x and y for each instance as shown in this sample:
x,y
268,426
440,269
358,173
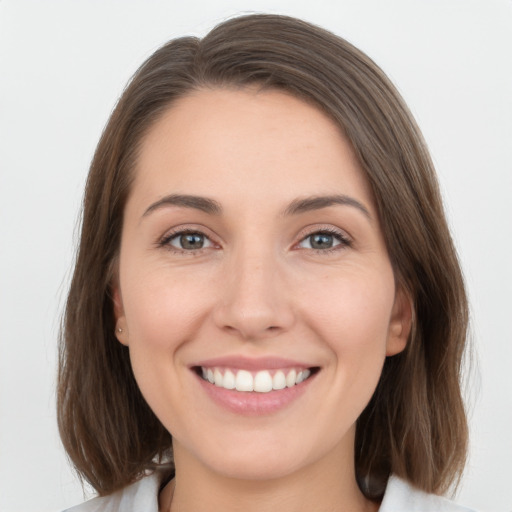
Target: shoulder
x,y
141,495
400,496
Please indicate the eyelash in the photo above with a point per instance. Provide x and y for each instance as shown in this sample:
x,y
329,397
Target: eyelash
x,y
165,241
343,239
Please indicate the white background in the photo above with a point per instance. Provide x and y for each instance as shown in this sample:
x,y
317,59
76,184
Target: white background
x,y
62,67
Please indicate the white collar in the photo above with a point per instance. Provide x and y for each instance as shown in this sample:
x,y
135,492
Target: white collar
x,y
400,496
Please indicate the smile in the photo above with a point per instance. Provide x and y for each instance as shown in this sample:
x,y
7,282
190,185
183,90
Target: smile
x,y
262,381
257,386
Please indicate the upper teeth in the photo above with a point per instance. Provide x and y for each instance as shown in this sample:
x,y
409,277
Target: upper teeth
x,y
262,381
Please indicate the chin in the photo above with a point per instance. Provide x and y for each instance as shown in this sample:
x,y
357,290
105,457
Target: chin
x,y
255,467
257,457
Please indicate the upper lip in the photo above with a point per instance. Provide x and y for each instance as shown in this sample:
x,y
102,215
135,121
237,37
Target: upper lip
x,y
252,364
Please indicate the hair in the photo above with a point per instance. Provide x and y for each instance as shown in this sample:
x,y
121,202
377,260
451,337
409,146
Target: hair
x,y
415,424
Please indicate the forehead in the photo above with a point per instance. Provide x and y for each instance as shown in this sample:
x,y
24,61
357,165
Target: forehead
x,y
248,143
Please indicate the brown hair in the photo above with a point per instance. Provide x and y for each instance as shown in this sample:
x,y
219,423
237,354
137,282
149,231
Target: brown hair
x,y
415,424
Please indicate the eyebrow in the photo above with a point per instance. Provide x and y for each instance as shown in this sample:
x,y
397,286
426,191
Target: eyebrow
x,y
204,204
298,206
318,202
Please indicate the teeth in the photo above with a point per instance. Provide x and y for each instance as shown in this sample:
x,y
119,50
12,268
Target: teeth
x,y
229,380
244,381
261,382
279,380
217,377
290,378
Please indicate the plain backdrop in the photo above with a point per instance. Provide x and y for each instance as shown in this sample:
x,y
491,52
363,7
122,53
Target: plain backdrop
x,y
62,67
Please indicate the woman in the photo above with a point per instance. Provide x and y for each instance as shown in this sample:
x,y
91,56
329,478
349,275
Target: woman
x,y
267,309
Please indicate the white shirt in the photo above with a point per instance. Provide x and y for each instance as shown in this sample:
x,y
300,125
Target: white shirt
x,y
142,496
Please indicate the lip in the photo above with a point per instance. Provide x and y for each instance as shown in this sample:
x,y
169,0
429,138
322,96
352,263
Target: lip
x,y
253,403
253,364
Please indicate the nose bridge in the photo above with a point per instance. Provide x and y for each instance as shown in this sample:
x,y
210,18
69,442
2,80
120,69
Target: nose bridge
x,y
254,301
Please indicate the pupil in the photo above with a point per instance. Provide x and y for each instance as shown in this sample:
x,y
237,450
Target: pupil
x,y
321,241
192,241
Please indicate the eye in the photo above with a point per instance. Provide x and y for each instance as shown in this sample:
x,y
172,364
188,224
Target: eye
x,y
324,241
188,241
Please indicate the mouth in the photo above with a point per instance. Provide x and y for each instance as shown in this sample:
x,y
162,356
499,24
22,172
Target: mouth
x,y
261,381
254,386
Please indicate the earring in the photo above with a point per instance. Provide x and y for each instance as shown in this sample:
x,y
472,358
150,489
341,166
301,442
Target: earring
x,y
119,330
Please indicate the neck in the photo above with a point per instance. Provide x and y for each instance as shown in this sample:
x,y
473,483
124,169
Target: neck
x,y
324,485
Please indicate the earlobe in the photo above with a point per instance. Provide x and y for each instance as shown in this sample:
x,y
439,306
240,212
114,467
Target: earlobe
x,y
121,331
400,323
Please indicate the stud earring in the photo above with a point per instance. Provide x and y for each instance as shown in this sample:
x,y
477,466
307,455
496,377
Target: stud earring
x,y
119,330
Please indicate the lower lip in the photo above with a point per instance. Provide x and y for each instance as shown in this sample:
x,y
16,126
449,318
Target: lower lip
x,y
253,403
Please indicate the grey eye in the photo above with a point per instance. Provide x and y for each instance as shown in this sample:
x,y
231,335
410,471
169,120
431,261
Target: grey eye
x,y
320,241
190,241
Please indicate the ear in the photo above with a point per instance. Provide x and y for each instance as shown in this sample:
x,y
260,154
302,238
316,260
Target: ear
x,y
121,326
400,323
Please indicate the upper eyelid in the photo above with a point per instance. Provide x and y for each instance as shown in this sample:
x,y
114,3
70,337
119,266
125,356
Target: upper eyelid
x,y
342,242
188,228
311,230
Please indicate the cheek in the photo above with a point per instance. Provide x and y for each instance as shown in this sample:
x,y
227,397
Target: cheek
x,y
353,311
163,313
163,308
351,316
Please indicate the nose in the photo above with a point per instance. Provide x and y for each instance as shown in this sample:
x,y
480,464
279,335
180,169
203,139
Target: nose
x,y
254,302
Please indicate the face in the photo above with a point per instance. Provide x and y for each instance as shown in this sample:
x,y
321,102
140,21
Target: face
x,y
254,289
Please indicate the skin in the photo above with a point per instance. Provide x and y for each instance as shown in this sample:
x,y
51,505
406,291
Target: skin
x,y
256,288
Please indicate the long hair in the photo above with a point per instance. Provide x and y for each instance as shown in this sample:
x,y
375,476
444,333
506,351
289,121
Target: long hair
x,y
415,424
